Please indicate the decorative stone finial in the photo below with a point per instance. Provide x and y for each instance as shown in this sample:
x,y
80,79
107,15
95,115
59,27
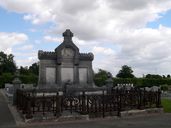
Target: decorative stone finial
x,y
67,35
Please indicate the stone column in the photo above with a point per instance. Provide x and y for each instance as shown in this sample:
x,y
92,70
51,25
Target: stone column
x,y
58,75
90,75
16,85
42,74
76,75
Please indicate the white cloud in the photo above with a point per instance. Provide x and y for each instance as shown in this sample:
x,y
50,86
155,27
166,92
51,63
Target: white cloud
x,y
102,50
25,47
25,58
8,40
12,42
27,61
52,39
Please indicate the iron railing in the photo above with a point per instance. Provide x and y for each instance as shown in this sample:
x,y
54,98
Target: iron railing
x,y
103,103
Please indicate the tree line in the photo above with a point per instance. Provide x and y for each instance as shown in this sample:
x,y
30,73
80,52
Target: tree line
x,y
8,68
124,76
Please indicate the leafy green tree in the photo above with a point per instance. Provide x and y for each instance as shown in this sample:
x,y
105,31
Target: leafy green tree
x,y
29,74
24,70
100,77
6,78
34,68
153,76
7,64
168,76
29,79
125,72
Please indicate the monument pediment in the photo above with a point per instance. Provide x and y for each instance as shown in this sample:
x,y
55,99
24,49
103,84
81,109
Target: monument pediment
x,y
67,43
67,53
67,48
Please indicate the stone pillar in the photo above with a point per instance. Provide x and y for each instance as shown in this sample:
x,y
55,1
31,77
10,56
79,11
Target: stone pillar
x,y
42,74
90,75
109,83
58,75
76,75
16,85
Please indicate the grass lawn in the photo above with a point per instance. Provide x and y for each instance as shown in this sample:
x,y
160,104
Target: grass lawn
x,y
166,103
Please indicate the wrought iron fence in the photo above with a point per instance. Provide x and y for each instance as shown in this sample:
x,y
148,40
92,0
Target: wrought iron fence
x,y
103,103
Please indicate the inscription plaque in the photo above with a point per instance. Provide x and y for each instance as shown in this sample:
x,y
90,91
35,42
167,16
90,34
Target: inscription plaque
x,y
67,74
83,75
50,75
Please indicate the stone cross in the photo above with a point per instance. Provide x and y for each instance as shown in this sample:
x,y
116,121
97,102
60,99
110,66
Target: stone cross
x,y
67,35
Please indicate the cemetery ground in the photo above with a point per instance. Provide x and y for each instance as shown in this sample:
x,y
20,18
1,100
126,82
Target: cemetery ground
x,y
162,120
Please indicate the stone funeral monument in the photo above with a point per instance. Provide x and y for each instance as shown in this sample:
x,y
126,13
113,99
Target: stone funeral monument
x,y
65,65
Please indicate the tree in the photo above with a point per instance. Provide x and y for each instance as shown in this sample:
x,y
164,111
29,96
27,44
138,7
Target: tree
x,y
6,78
7,64
34,68
24,70
125,72
153,76
164,76
100,77
168,76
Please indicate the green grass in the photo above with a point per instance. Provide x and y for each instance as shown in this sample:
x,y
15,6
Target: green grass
x,y
166,103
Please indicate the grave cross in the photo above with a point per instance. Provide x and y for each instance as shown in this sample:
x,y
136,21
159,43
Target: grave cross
x,y
67,35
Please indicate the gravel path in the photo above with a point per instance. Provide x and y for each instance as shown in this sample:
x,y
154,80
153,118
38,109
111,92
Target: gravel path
x,y
6,118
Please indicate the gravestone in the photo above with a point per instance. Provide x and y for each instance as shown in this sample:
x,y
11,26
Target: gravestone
x,y
64,64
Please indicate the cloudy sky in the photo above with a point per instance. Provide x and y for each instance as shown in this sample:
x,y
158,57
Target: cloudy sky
x,y
136,33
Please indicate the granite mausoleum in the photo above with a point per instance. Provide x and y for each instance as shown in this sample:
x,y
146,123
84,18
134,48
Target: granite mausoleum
x,y
65,64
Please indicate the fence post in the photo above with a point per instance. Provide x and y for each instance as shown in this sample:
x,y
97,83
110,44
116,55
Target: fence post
x,y
103,104
83,103
159,98
58,105
33,100
140,99
28,110
17,98
119,102
144,97
43,103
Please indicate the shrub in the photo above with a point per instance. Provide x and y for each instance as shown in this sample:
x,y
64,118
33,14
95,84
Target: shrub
x,y
6,78
164,87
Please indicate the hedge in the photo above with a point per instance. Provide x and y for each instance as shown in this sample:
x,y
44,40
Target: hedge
x,y
141,82
26,79
5,78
